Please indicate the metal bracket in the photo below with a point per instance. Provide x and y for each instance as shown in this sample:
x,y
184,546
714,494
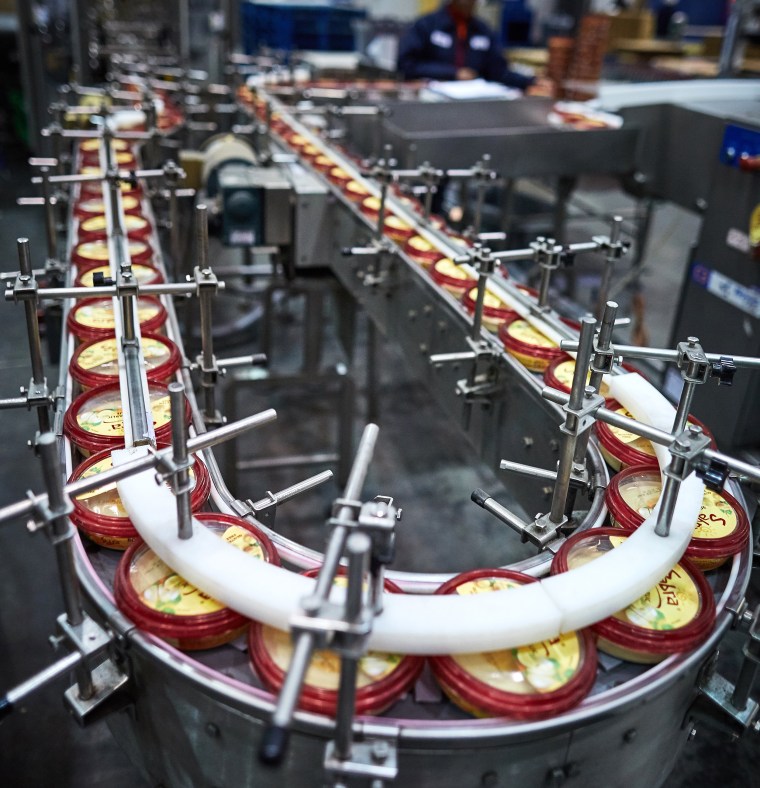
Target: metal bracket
x,y
107,679
689,447
325,622
370,760
584,416
692,361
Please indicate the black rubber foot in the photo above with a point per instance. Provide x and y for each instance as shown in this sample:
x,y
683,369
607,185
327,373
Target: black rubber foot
x,y
273,745
480,496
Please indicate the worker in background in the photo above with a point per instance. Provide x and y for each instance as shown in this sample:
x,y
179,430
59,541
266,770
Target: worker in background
x,y
453,43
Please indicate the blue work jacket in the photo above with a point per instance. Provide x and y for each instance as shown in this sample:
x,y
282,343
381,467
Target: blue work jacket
x,y
428,50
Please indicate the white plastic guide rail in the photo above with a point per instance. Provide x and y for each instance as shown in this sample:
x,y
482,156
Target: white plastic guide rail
x,y
436,624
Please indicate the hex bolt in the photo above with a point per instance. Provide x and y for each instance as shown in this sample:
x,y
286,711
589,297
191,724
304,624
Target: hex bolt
x,y
380,751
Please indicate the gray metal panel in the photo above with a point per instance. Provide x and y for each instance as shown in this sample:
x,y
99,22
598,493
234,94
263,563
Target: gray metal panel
x,y
516,134
311,217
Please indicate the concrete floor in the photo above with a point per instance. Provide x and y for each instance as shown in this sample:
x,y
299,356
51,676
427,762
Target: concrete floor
x,y
41,746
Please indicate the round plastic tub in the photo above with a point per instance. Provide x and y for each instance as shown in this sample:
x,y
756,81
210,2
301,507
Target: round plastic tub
x,y
95,253
90,189
96,228
674,616
93,318
382,678
94,206
530,682
559,375
322,163
722,526
88,147
100,514
161,602
495,311
356,191
451,277
621,448
145,274
125,159
422,251
393,226
339,177
95,363
531,348
94,421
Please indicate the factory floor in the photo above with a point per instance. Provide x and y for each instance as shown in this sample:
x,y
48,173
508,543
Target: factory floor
x,y
431,478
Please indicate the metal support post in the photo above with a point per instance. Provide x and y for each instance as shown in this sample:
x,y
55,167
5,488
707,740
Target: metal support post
x,y
38,386
50,231
275,738
181,485
58,510
357,551
614,252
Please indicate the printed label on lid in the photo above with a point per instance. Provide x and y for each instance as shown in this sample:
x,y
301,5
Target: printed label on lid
x,y
447,267
717,518
99,223
539,667
100,315
524,332
102,356
420,244
489,299
673,603
161,589
103,415
324,669
641,494
142,273
105,500
564,374
630,438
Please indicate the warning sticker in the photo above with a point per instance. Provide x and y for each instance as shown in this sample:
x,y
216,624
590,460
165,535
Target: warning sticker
x,y
747,299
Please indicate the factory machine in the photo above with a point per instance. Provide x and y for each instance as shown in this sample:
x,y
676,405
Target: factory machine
x,y
483,679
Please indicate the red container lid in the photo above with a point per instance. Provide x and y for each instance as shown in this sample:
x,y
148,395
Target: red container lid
x,y
93,145
527,345
339,177
676,615
95,228
530,682
89,189
323,163
100,513
559,375
145,274
722,526
393,226
125,159
622,448
95,253
92,318
95,363
94,206
356,191
452,277
161,602
382,678
422,251
94,421
493,306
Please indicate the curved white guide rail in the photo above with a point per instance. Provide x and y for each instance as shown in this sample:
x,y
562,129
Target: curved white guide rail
x,y
436,624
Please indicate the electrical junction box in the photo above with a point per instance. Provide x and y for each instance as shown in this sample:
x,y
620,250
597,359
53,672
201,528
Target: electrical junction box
x,y
255,206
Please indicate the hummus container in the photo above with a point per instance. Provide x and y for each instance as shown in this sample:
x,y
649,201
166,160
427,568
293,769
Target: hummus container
x,y
96,362
382,678
161,602
95,228
451,277
422,251
100,514
722,528
530,682
145,274
93,318
95,253
675,615
530,347
621,448
94,206
94,421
